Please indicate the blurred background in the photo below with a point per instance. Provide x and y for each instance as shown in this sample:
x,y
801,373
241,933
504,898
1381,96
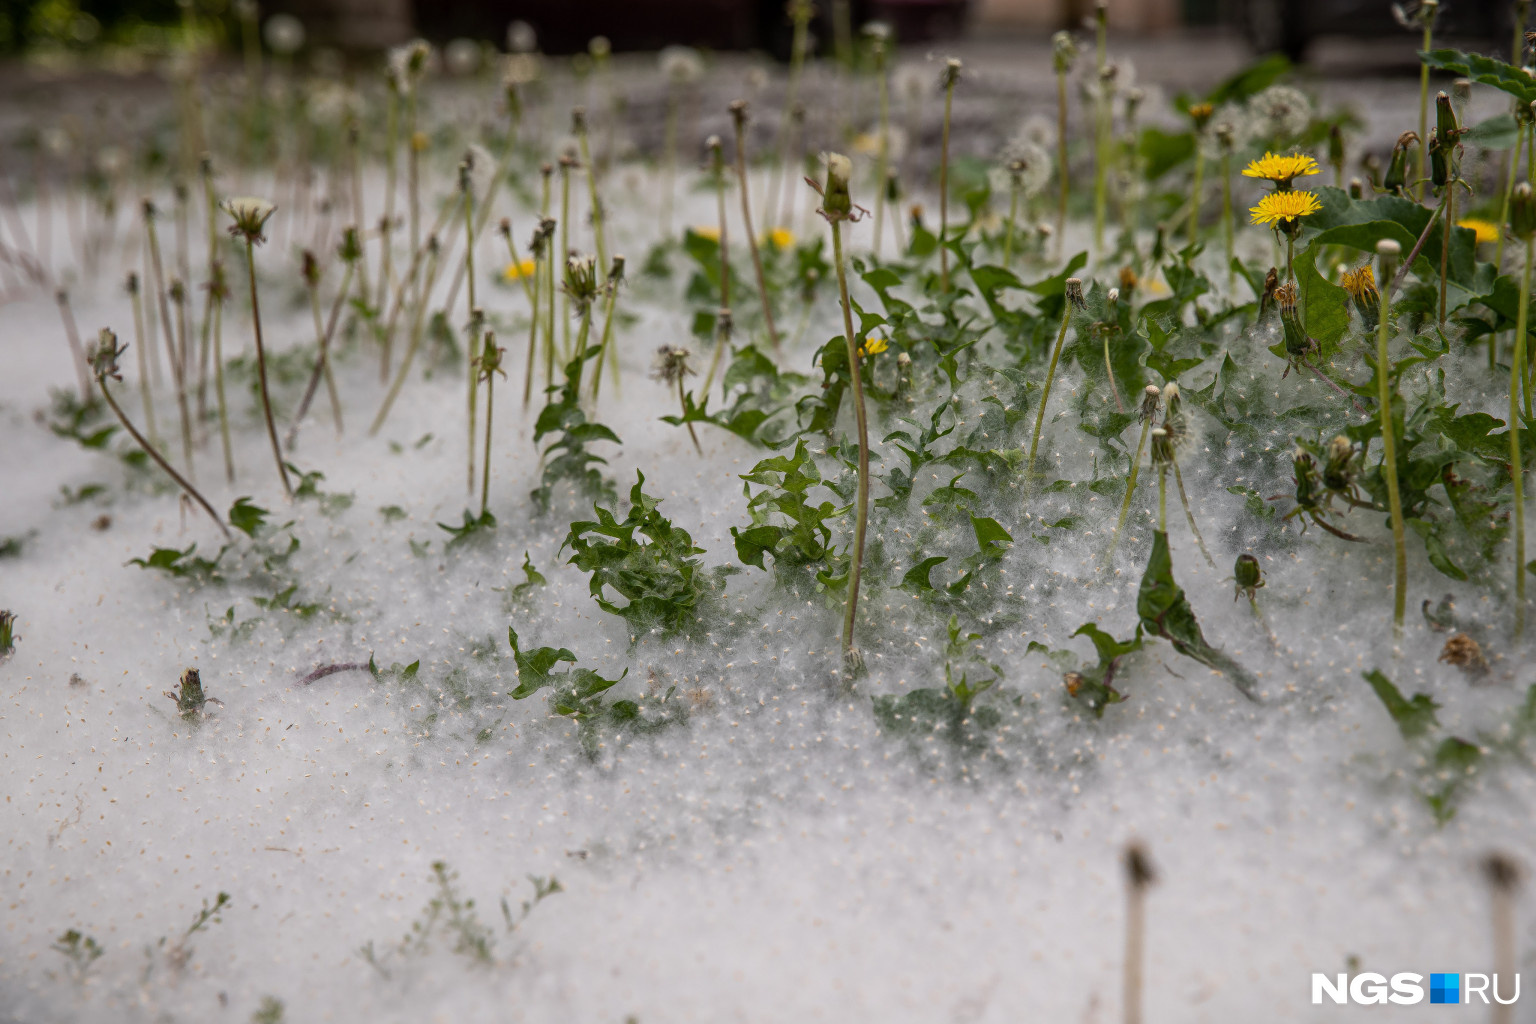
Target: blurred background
x,y
62,27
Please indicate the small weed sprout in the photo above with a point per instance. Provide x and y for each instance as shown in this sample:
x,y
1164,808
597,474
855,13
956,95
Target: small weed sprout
x,y
191,701
8,635
80,952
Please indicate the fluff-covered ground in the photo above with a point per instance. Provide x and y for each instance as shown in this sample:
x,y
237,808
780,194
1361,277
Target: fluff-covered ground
x,y
772,853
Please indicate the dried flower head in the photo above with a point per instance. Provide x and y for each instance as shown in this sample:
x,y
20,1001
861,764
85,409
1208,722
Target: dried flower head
x,y
1063,52
681,65
671,364
105,354
1502,872
1139,873
951,73
581,280
250,215
1279,114
1285,296
1075,294
1151,401
1465,653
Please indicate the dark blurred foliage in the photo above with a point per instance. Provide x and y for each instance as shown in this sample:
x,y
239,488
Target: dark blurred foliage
x,y
82,24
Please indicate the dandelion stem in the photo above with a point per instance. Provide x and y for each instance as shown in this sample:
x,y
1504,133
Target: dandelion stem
x,y
861,421
490,384
682,404
323,333
1130,489
1516,377
565,250
261,369
138,336
597,206
1509,189
1445,241
883,143
949,98
533,328
412,344
607,336
474,321
1045,394
218,380
740,117
1189,516
669,161
1194,193
1226,216
1062,171
178,366
1101,116
1389,455
1013,213
1429,29
800,12
1162,498
150,450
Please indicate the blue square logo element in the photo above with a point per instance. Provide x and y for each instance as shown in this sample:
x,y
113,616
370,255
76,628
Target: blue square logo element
x,y
1445,988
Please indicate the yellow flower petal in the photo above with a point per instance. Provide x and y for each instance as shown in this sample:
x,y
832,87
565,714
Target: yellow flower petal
x,y
1279,206
519,270
1281,168
1486,230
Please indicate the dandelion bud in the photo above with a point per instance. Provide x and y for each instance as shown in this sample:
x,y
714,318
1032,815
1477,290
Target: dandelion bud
x,y
1522,212
951,73
1151,399
1502,872
1114,297
1063,52
1397,170
1075,294
1335,146
1225,136
311,271
903,360
103,357
1445,118
892,186
133,282
1389,250
177,291
835,199
1200,113
1356,188
1162,447
1248,575
1439,158
578,120
738,109
351,249
1461,92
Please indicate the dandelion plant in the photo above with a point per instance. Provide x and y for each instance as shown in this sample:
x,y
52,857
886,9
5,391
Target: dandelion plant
x,y
670,367
838,208
250,216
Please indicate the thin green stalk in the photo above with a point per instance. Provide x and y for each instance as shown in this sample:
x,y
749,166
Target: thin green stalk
x,y
1424,103
883,143
533,328
387,224
138,337
178,366
1445,241
861,420
1226,216
490,363
612,287
354,140
739,114
565,251
1194,194
1509,188
474,316
210,202
412,344
1389,449
1101,116
1013,213
597,206
1162,499
951,76
1045,394
669,161
800,12
1062,171
218,384
1189,516
323,333
1517,374
149,449
261,370
1130,489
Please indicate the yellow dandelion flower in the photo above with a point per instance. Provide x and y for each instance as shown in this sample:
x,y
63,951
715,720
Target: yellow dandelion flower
x,y
1486,230
1284,206
780,238
519,270
873,346
419,142
1361,285
866,144
706,231
1281,169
